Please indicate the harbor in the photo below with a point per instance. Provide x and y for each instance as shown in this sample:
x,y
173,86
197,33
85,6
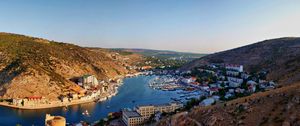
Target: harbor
x,y
134,91
175,84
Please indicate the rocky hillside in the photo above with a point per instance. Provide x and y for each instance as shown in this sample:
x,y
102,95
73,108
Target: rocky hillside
x,y
278,107
281,57
37,67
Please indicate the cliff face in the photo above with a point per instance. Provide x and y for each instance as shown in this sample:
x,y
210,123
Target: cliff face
x,y
37,67
281,57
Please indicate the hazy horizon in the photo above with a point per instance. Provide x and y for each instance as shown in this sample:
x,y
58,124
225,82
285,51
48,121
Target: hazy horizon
x,y
185,26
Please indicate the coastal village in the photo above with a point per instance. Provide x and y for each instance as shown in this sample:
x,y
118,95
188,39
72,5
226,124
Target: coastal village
x,y
86,89
209,84
212,83
206,85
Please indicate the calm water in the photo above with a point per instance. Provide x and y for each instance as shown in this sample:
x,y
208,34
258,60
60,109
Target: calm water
x,y
133,89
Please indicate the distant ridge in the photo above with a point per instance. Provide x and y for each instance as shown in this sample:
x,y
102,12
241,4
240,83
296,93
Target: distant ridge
x,y
162,53
281,57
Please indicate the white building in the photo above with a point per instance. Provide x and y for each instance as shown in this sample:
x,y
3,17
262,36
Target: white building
x,y
189,80
88,81
238,68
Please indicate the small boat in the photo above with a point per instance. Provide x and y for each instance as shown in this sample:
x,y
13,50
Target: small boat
x,y
86,113
107,107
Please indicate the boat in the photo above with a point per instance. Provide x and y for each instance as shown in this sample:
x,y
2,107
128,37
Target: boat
x,y
86,113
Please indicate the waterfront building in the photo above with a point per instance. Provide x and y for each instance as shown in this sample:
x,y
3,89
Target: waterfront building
x,y
132,118
34,101
144,112
17,102
148,110
55,120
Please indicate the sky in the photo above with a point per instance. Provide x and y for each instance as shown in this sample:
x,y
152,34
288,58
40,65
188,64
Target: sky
x,y
202,26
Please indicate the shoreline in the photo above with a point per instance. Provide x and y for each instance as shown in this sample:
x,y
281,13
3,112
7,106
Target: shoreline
x,y
58,104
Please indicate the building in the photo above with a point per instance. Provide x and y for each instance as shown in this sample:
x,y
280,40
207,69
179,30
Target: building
x,y
132,118
232,73
88,81
189,80
144,112
55,120
234,67
148,110
18,102
234,82
34,101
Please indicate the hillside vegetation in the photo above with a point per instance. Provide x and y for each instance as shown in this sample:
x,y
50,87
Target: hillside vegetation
x,y
280,57
37,67
278,107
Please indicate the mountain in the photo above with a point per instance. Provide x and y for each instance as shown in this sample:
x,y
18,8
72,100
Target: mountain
x,y
278,107
165,54
281,57
32,66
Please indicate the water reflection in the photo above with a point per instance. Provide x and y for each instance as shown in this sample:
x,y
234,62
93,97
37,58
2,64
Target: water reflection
x,y
134,91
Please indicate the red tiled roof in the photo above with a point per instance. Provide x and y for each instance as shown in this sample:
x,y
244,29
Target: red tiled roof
x,y
34,97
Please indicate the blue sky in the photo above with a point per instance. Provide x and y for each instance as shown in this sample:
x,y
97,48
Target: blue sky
x,y
183,25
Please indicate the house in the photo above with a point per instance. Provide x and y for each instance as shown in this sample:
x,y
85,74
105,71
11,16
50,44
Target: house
x,y
213,90
234,82
189,80
17,102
